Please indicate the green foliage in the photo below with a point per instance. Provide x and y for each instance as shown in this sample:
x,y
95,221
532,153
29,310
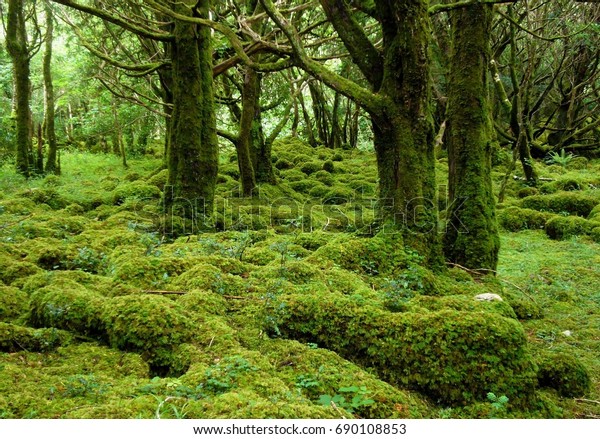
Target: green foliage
x,y
351,398
562,158
564,373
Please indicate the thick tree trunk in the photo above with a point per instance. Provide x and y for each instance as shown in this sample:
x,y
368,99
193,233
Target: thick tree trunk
x,y
404,136
472,238
244,144
16,44
49,129
193,147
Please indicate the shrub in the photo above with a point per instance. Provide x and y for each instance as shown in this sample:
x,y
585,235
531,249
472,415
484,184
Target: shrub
x,y
565,373
135,191
561,227
452,356
150,325
14,338
561,202
513,219
73,310
311,167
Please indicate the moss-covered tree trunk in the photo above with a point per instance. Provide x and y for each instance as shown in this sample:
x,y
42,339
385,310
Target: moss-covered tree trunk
x,y
16,44
245,143
49,129
471,238
404,129
193,148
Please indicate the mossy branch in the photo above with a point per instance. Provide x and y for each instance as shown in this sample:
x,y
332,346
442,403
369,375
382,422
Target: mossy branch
x,y
371,102
136,28
436,9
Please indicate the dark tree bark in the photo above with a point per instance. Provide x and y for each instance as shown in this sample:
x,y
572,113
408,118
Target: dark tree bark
x,y
193,147
49,129
472,238
16,44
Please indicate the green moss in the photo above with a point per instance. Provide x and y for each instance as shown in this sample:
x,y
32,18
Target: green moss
x,y
75,310
15,272
561,227
329,166
208,277
464,303
284,164
201,302
324,177
318,190
159,179
570,202
339,195
337,157
14,338
311,167
564,373
514,218
293,175
527,192
135,191
47,195
302,185
453,356
562,184
150,325
13,303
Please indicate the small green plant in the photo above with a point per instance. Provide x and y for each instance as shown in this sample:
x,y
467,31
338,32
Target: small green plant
x,y
89,260
350,398
498,403
80,386
223,376
562,158
397,292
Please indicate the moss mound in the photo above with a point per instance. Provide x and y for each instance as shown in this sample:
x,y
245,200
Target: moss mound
x,y
15,338
13,303
515,218
561,227
454,357
76,310
573,203
564,373
150,325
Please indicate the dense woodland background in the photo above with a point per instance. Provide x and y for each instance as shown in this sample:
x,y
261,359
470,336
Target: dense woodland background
x,y
336,208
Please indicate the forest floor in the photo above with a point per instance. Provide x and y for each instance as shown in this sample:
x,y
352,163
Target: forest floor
x,y
295,307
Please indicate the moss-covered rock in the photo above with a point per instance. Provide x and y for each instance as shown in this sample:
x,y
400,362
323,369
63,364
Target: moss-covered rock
x,y
284,164
14,271
324,177
159,179
311,167
573,203
565,373
13,303
15,338
453,356
150,325
514,218
527,192
75,310
564,227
